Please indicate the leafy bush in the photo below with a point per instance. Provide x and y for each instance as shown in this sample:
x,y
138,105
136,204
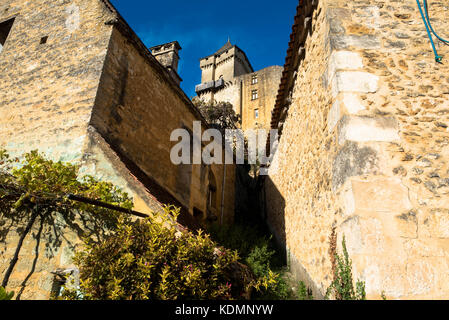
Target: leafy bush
x,y
342,287
259,253
303,292
150,259
4,295
219,115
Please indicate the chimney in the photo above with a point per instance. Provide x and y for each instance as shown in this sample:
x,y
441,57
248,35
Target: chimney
x,y
167,55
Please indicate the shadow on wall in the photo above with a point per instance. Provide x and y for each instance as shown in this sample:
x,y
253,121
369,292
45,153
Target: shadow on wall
x,y
273,210
142,184
43,242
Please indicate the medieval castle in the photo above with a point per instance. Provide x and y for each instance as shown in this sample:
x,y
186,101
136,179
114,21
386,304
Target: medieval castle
x,y
227,75
360,105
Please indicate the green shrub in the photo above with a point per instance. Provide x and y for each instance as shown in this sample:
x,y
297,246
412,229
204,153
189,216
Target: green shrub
x,y
258,251
259,259
150,259
304,293
342,287
4,295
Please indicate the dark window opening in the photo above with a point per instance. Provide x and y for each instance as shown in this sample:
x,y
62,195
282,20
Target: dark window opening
x,y
212,192
5,29
198,214
44,40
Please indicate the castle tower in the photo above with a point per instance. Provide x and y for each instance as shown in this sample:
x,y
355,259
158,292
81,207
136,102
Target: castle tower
x,y
168,55
227,76
223,66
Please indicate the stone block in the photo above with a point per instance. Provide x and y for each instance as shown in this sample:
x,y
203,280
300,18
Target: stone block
x,y
364,129
354,81
407,225
435,223
344,60
353,160
352,102
341,42
381,195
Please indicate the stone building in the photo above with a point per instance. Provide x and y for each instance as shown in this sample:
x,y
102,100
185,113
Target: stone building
x,y
227,76
363,113
79,85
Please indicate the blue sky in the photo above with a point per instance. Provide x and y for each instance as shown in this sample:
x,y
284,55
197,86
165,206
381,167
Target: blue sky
x,y
260,28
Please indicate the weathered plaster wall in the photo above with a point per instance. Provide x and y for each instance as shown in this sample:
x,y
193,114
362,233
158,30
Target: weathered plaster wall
x,y
48,247
364,150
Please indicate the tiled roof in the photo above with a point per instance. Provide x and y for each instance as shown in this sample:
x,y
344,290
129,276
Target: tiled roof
x,y
295,53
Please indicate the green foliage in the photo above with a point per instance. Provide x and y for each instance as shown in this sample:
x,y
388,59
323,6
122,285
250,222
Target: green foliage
x,y
150,259
304,293
383,296
34,189
4,295
342,287
39,183
259,259
259,253
220,115
39,180
122,259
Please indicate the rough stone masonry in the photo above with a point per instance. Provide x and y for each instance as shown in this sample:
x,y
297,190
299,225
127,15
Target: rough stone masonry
x,y
78,85
363,113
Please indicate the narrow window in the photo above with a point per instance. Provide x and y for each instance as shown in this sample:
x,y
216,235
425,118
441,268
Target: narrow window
x,y
256,113
254,95
254,79
5,28
212,192
44,40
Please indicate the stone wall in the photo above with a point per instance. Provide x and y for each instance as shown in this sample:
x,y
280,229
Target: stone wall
x,y
238,92
267,86
47,91
137,109
300,204
364,149
92,94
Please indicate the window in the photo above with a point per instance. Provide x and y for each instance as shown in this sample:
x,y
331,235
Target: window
x,y
44,40
254,79
5,28
212,192
256,113
254,95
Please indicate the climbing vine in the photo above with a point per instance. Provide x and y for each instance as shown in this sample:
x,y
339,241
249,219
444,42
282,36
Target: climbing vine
x,y
32,197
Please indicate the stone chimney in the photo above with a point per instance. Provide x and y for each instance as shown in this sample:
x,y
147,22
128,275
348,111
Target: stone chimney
x,y
167,55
